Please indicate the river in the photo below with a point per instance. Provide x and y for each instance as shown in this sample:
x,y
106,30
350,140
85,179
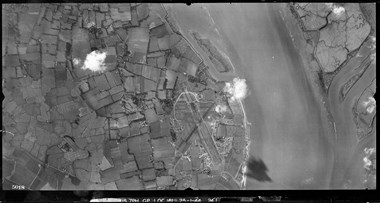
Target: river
x,y
289,132
349,151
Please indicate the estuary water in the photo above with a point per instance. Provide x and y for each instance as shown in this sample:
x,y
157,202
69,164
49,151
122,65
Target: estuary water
x,y
289,131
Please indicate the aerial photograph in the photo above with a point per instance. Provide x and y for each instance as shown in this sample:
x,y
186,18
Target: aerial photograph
x,y
173,96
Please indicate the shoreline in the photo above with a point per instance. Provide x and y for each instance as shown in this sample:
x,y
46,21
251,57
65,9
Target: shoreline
x,y
247,124
264,115
325,89
220,76
320,95
214,52
247,127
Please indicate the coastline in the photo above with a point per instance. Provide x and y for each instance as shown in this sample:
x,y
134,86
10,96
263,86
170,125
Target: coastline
x,y
173,22
219,59
311,70
247,105
219,77
247,126
336,111
299,43
267,102
279,89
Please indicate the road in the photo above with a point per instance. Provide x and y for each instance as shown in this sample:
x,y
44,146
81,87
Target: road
x,y
204,131
288,132
189,20
42,166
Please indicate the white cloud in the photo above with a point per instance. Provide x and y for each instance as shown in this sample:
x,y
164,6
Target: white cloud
x,y
370,104
237,90
373,57
90,24
337,10
76,61
373,39
373,48
367,162
369,151
95,61
220,108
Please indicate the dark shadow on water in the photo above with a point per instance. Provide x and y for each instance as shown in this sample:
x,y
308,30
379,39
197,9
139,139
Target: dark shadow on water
x,y
257,170
74,180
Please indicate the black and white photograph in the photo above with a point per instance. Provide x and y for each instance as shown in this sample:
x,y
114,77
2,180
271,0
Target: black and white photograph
x,y
201,96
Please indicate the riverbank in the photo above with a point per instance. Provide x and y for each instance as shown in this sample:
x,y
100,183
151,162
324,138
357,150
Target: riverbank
x,y
186,19
294,131
281,106
224,76
340,90
312,72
